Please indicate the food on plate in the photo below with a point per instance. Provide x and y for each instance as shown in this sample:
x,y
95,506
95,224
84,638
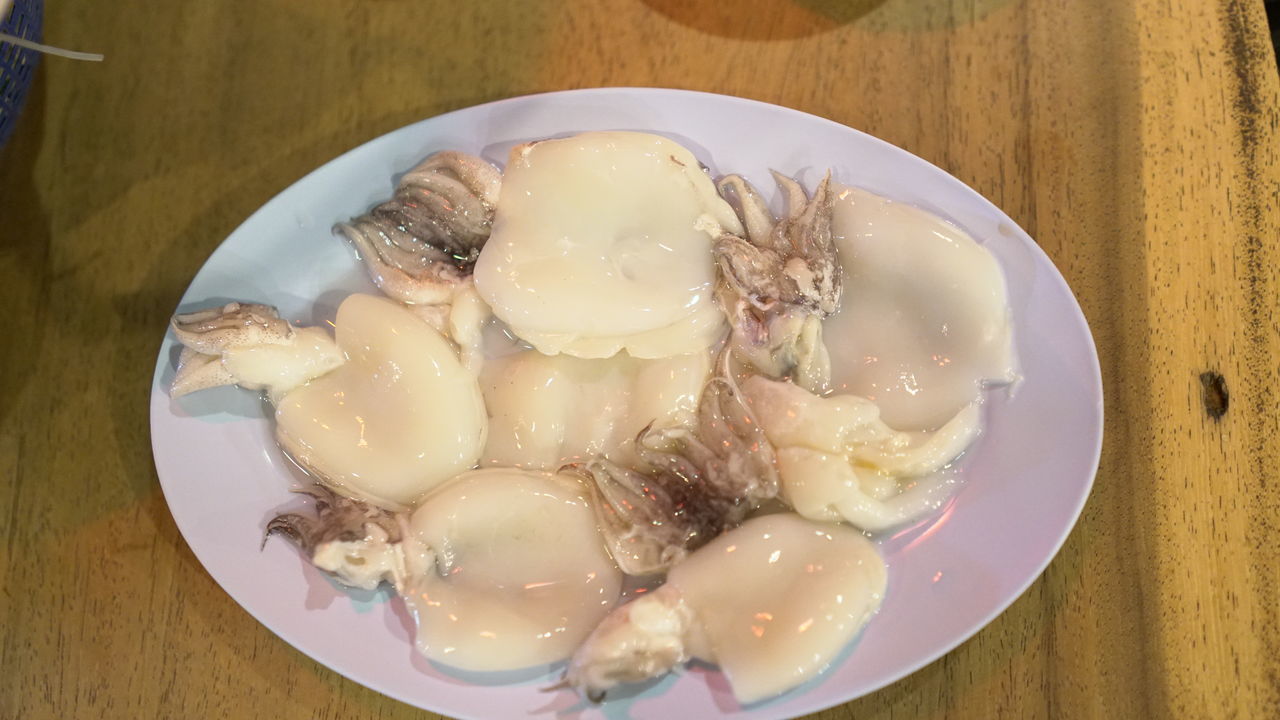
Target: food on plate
x,y
653,371
838,460
771,603
602,242
421,246
701,480
547,411
502,569
360,412
779,280
925,322
251,346
376,427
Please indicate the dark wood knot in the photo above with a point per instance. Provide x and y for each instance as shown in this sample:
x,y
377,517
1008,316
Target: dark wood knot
x,y
1214,395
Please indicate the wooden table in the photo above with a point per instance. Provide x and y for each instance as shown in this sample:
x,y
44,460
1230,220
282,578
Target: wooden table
x,y
1136,140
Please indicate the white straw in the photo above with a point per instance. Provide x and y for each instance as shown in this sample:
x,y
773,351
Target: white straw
x,y
50,50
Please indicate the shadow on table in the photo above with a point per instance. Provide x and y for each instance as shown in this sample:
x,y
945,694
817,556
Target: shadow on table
x,y
790,19
24,252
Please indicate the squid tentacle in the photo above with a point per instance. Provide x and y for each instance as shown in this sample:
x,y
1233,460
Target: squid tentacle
x,y
337,518
421,246
776,290
698,484
213,330
750,208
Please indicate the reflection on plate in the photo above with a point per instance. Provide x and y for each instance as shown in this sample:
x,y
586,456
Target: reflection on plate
x,y
1025,482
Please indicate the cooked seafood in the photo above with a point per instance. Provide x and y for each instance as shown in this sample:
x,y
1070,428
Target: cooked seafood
x,y
357,542
772,603
601,243
924,322
361,413
546,411
503,569
633,437
400,417
251,346
839,461
421,246
779,280
701,482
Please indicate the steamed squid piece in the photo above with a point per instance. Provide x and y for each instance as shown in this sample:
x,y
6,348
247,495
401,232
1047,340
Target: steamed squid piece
x,y
924,324
779,279
772,603
693,483
364,412
251,346
400,417
420,247
546,411
601,242
921,327
502,569
839,461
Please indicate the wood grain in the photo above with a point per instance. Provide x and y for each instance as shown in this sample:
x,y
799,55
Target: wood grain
x,y
1135,139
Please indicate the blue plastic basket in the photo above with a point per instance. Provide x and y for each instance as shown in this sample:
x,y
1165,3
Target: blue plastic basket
x,y
17,65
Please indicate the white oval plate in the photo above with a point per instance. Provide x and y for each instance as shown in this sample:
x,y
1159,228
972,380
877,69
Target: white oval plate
x,y
1025,482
